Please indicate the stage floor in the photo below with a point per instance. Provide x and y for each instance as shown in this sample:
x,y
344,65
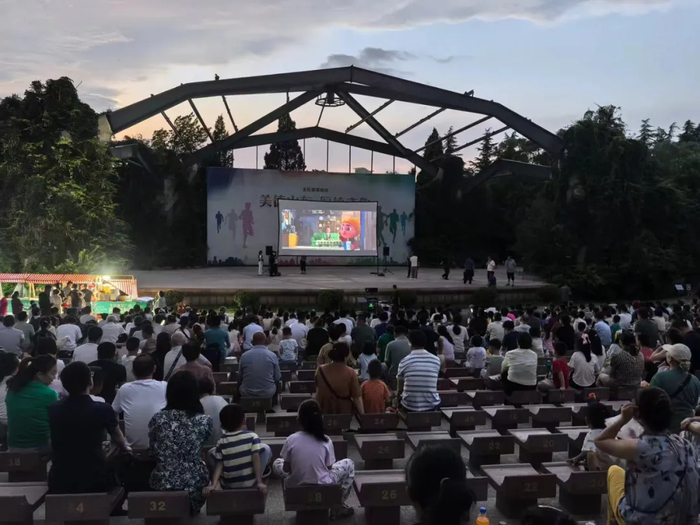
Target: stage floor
x,y
348,278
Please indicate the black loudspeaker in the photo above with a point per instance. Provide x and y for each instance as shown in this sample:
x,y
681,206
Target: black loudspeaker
x,y
386,251
268,250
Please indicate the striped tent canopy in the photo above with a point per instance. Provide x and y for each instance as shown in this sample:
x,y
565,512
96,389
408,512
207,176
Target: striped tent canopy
x,y
125,283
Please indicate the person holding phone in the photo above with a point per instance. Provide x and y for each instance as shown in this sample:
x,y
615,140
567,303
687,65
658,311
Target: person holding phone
x,y
660,483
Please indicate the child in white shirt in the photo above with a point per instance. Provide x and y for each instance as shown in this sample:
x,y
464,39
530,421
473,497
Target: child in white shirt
x,y
289,349
476,355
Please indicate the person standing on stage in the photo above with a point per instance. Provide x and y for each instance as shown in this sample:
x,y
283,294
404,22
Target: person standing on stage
x,y
261,262
408,263
490,268
302,264
414,266
468,270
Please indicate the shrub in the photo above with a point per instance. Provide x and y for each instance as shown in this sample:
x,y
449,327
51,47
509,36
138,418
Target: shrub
x,y
330,299
172,297
486,297
247,299
549,294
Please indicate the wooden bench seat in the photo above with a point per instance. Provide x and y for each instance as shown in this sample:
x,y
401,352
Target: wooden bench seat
x,y
506,417
229,367
306,375
420,421
78,508
524,397
445,383
292,402
312,503
601,394
235,507
302,387
382,493
286,376
159,508
379,451
220,377
18,501
519,486
580,491
227,389
575,435
486,446
548,416
340,446
421,439
282,424
452,398
334,424
259,405
24,466
536,445
308,365
626,393
479,486
558,396
486,398
463,418
458,372
463,384
374,423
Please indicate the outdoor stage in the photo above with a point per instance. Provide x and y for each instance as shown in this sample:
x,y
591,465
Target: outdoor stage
x,y
217,285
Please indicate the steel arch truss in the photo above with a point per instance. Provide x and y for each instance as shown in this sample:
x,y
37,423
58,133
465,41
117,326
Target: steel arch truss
x,y
342,83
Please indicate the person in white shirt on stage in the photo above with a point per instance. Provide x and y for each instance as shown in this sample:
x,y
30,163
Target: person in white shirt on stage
x,y
87,353
139,401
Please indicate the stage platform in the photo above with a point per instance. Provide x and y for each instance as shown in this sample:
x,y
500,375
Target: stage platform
x,y
218,285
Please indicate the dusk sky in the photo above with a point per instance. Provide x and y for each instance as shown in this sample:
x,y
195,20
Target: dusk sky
x,y
549,60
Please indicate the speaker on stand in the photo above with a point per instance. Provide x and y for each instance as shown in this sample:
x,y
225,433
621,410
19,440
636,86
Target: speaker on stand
x,y
386,254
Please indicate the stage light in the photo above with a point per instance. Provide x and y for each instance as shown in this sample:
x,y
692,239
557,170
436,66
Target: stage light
x,y
106,278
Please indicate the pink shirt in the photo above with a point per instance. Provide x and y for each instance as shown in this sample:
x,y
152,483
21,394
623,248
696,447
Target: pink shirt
x,y
309,459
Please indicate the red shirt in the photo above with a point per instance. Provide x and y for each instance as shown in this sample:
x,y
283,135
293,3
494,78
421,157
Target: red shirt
x,y
374,396
3,307
560,365
646,352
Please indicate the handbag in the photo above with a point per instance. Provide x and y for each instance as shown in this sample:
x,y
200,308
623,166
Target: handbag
x,y
172,367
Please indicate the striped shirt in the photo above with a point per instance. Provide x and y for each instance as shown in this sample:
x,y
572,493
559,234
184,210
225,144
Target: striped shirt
x,y
235,450
419,370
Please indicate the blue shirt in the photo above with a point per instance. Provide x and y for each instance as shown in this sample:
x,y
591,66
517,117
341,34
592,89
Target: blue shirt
x,y
259,372
603,330
219,337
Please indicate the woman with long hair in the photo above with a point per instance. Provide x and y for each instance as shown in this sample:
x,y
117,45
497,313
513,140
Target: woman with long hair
x,y
163,346
28,400
584,366
626,366
176,436
446,345
308,458
460,337
436,480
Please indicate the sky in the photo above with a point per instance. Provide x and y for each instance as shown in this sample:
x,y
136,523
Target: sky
x,y
549,60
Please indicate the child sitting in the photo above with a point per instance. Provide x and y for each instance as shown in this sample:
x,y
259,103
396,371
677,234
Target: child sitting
x,y
368,355
239,456
493,359
590,456
375,393
288,347
476,355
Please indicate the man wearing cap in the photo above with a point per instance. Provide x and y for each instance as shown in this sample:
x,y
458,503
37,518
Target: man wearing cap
x,y
681,386
111,330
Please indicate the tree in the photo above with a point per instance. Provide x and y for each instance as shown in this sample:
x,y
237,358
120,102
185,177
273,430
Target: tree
x,y
450,143
672,130
56,179
660,135
486,153
646,133
286,155
187,137
691,133
434,150
223,159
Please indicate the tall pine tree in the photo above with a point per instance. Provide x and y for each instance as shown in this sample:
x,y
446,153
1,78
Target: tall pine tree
x,y
287,155
433,152
486,153
691,133
646,133
223,159
450,143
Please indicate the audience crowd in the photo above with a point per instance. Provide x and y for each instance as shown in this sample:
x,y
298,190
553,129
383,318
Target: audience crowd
x,y
153,369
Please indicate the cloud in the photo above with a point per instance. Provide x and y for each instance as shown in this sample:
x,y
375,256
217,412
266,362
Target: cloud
x,y
103,42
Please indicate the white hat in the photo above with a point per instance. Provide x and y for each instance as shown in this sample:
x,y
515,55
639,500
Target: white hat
x,y
680,353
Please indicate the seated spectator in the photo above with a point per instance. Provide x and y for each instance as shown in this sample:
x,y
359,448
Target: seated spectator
x,y
132,351
387,337
111,330
460,337
259,370
69,332
148,338
217,339
337,387
626,365
316,338
566,333
417,376
583,364
537,343
476,355
163,346
26,328
177,434
446,343
87,353
241,460
519,367
660,482
78,425
28,400
436,480
592,458
9,364
369,354
510,337
139,401
396,350
375,394
288,348
113,373
11,339
212,405
191,353
174,358
308,458
682,387
560,370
